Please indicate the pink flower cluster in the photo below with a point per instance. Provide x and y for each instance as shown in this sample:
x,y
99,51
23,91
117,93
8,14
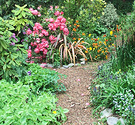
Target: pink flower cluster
x,y
29,53
35,12
58,23
40,43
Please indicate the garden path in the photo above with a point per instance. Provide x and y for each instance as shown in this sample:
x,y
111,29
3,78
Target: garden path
x,y
76,97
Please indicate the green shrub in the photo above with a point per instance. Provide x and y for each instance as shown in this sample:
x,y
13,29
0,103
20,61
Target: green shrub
x,y
19,106
12,54
43,79
115,90
109,16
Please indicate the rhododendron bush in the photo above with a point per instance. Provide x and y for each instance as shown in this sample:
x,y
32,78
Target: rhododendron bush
x,y
47,34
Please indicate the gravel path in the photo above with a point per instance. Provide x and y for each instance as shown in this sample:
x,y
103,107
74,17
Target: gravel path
x,y
77,94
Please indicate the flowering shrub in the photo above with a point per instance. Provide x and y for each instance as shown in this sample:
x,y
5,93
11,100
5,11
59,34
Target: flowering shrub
x,y
46,35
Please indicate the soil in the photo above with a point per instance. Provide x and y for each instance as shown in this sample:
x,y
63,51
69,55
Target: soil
x,y
77,94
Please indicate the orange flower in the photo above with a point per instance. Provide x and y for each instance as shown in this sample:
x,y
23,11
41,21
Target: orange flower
x,y
106,40
100,42
78,25
75,24
75,41
79,38
115,36
74,38
106,49
86,51
104,35
82,41
83,34
74,29
95,56
77,21
85,59
106,57
98,51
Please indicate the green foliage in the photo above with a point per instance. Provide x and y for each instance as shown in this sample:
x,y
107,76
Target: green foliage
x,y
12,54
122,6
8,5
89,14
19,106
109,17
5,33
19,19
43,79
115,90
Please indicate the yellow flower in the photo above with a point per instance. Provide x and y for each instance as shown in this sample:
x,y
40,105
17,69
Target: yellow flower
x,y
78,25
105,43
90,48
82,41
111,33
89,35
112,44
109,46
54,112
93,49
83,34
75,41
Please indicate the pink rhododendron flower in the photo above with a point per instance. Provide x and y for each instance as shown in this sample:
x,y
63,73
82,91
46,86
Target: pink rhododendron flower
x,y
38,40
56,7
29,55
45,32
37,26
66,31
28,32
47,20
59,18
57,13
35,12
63,20
41,35
52,39
51,8
62,27
45,51
39,14
61,12
31,61
52,27
31,9
39,7
36,50
51,20
43,40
